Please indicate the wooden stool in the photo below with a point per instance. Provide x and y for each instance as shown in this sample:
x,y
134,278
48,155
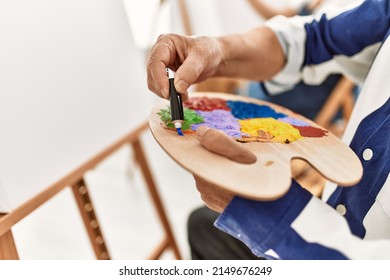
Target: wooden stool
x,y
75,181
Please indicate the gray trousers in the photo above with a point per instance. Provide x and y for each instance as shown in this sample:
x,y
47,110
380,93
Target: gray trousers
x,y
209,243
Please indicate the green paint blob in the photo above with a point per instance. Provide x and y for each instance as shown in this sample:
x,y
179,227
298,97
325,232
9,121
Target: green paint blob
x,y
190,117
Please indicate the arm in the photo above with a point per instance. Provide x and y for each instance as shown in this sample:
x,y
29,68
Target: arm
x,y
255,55
344,44
277,50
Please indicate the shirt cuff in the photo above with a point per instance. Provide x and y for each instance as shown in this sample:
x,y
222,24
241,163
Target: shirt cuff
x,y
291,35
262,224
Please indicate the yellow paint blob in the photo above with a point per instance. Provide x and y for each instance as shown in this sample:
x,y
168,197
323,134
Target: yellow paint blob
x,y
270,129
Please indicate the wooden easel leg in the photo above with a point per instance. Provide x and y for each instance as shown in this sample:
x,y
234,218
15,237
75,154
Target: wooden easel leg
x,y
185,17
7,246
88,215
170,240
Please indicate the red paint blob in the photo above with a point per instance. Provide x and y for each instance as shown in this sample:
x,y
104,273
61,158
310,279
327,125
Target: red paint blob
x,y
206,104
310,131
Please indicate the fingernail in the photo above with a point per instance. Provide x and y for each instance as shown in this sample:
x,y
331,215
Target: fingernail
x,y
181,86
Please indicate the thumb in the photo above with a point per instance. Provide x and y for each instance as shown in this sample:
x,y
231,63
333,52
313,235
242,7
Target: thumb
x,y
188,73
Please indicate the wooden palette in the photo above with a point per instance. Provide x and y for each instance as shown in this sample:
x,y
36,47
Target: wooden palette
x,y
270,176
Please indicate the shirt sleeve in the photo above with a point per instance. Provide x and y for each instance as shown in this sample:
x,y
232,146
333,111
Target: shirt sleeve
x,y
318,46
266,227
297,226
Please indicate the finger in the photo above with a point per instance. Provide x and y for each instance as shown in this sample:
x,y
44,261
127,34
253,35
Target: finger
x,y
207,192
157,79
199,183
211,204
215,198
153,87
185,96
160,58
188,73
207,188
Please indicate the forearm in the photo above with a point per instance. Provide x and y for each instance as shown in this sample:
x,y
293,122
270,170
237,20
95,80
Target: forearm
x,y
254,55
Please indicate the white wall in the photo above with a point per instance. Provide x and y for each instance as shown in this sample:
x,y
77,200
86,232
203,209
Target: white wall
x,y
216,17
71,82
147,19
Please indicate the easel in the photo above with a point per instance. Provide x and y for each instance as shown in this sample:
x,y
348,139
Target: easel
x,y
75,181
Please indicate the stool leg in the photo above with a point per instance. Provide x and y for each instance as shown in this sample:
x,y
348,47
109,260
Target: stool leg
x,y
88,215
141,159
7,246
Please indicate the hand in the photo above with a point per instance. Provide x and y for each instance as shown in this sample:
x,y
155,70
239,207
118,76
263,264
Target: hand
x,y
193,58
218,142
254,55
215,198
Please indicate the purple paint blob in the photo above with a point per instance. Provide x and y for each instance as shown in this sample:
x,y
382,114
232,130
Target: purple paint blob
x,y
292,121
222,120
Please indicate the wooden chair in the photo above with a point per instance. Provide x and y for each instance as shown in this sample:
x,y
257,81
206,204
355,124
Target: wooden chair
x,y
340,99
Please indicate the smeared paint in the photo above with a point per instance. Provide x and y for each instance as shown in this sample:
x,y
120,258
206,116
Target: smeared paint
x,y
294,122
185,132
310,131
206,104
222,120
270,130
243,110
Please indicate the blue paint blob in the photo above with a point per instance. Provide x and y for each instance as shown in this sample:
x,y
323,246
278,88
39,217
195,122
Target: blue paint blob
x,y
179,131
243,110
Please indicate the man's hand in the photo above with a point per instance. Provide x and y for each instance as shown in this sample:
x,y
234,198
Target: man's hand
x,y
218,142
215,198
193,58
254,55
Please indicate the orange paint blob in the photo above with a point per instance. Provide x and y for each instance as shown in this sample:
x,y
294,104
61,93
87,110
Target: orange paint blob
x,y
310,131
